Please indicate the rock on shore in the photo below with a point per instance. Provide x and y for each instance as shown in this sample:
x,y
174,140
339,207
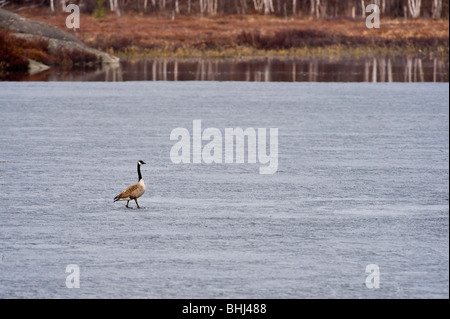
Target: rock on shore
x,y
57,38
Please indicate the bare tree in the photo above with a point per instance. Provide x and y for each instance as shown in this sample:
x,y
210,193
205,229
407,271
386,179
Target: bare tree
x,y
381,4
212,7
266,5
414,8
116,7
258,4
436,9
319,8
203,5
241,6
208,6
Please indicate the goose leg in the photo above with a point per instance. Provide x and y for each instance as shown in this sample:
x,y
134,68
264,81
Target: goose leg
x,y
136,203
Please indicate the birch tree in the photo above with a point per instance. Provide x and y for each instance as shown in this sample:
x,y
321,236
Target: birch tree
x,y
266,5
203,4
319,8
208,6
177,7
436,9
414,8
381,4
241,6
116,7
258,4
212,7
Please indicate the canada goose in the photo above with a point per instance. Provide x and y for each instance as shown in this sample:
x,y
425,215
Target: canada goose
x,y
134,191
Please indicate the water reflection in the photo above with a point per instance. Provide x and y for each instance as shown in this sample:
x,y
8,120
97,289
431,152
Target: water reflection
x,y
405,69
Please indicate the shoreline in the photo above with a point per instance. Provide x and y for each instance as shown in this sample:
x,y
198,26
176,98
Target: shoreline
x,y
135,35
245,53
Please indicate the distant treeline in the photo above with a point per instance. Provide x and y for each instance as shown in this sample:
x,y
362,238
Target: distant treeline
x,y
435,9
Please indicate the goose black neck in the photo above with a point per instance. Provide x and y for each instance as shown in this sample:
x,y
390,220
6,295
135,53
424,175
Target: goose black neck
x,y
139,171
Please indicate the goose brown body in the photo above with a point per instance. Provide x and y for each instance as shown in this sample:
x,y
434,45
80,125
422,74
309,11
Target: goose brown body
x,y
133,192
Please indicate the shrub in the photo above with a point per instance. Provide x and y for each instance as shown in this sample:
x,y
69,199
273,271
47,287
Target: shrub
x,y
314,38
100,11
288,39
11,57
113,42
72,58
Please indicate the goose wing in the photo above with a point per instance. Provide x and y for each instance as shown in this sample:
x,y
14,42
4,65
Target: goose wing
x,y
129,192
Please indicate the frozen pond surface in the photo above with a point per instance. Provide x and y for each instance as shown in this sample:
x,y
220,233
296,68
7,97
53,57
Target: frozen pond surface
x,y
362,179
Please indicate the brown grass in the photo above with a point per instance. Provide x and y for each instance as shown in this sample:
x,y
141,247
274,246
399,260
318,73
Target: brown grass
x,y
254,33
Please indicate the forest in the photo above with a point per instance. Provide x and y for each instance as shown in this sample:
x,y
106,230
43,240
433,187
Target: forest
x,y
325,9
235,28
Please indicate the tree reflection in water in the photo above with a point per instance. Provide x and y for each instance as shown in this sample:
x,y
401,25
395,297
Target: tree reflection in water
x,y
400,69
